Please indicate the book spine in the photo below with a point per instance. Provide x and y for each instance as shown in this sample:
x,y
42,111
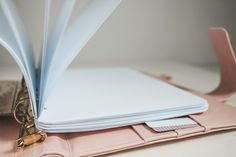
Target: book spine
x,y
38,73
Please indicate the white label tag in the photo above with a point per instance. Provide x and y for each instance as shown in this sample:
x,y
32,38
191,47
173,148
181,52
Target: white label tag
x,y
172,124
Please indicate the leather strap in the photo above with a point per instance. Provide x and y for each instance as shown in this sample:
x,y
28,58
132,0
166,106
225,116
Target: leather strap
x,y
224,51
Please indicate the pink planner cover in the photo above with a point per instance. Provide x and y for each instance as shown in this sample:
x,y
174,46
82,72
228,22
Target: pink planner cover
x,y
219,116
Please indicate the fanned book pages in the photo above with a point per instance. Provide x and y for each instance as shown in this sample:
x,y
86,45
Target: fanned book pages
x,y
85,99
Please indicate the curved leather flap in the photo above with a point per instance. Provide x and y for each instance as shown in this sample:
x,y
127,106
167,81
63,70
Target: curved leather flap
x,y
224,51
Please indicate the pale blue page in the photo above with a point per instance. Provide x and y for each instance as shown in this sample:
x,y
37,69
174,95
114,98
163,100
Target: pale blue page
x,y
45,40
21,36
89,20
8,41
54,39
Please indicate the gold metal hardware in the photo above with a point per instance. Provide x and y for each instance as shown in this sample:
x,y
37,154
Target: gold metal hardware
x,y
22,113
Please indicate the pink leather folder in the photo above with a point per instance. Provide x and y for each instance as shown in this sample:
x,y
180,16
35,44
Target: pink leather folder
x,y
220,116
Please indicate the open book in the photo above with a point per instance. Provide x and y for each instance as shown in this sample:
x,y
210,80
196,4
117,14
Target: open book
x,y
86,99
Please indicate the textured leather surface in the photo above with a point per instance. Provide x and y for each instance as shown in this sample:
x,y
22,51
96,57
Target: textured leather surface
x,y
219,117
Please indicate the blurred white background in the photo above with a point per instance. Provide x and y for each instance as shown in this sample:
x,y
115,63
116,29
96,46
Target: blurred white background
x,y
142,31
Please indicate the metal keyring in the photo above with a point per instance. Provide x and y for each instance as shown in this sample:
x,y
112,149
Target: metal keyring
x,y
21,112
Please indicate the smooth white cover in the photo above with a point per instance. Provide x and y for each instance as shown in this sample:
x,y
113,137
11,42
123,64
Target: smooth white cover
x,y
92,99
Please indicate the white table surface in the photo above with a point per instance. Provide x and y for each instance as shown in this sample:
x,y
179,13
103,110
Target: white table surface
x,y
203,79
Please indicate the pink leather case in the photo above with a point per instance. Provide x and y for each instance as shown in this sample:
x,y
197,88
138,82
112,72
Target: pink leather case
x,y
220,116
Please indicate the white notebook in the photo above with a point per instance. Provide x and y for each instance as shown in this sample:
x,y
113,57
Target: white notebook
x,y
86,99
